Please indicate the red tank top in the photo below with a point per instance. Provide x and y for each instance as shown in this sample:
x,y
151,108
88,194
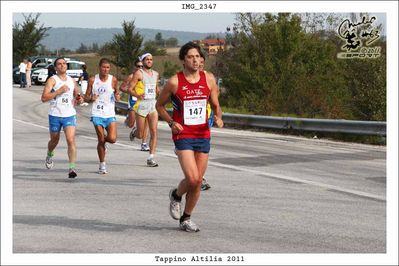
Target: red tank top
x,y
189,107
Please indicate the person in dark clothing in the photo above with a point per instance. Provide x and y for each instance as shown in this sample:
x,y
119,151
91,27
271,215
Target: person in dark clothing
x,y
83,82
85,75
51,71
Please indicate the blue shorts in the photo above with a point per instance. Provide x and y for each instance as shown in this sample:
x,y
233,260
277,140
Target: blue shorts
x,y
199,145
100,121
56,122
131,103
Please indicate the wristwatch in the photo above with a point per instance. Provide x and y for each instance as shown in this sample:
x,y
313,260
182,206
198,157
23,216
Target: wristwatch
x,y
170,123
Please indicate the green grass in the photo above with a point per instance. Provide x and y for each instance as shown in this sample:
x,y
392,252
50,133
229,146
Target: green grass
x,y
236,110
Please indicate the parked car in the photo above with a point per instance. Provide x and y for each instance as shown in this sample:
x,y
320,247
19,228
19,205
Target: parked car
x,y
38,62
74,70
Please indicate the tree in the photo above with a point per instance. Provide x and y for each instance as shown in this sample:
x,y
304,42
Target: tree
x,y
43,50
27,36
124,47
274,66
212,36
105,49
159,41
82,49
366,82
152,48
64,51
169,69
171,42
94,47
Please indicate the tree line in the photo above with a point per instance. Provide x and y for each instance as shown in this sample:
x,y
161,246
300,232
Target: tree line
x,y
286,64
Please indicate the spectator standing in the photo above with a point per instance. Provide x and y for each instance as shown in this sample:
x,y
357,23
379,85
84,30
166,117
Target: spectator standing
x,y
84,79
28,73
22,73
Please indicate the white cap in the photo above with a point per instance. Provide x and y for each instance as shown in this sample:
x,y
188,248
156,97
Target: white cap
x,y
144,56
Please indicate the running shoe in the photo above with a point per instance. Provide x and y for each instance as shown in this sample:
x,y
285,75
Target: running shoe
x,y
151,162
144,147
132,134
72,173
174,206
205,185
189,226
102,169
49,162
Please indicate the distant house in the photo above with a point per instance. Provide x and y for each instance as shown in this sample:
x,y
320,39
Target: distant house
x,y
212,46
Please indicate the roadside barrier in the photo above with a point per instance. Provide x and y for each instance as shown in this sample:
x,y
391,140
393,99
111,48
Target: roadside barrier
x,y
307,124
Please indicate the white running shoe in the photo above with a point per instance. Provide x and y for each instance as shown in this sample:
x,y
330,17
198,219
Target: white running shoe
x,y
144,147
151,162
174,206
189,226
49,162
102,169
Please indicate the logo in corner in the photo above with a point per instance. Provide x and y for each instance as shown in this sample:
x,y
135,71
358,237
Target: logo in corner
x,y
358,37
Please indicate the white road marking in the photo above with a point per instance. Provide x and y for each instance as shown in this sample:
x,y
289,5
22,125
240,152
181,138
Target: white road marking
x,y
232,167
29,123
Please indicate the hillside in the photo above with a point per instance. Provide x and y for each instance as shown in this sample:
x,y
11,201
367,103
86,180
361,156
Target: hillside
x,y
71,38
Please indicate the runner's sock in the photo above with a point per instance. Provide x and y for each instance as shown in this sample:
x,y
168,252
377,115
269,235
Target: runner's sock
x,y
50,153
71,165
184,217
175,196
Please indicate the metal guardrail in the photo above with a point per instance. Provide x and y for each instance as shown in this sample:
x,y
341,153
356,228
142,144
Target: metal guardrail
x,y
306,124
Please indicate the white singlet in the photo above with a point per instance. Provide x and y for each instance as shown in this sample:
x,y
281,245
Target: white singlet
x,y
62,105
104,106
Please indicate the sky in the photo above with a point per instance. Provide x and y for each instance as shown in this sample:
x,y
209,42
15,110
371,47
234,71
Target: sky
x,y
193,22
199,22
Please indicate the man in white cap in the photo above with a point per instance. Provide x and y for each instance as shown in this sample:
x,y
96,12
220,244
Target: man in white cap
x,y
144,86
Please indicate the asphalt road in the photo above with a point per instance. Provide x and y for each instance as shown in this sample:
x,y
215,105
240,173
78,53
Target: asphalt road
x,y
270,193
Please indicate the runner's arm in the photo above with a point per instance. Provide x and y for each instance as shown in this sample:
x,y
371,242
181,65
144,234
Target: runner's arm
x,y
124,86
137,76
88,97
168,90
157,87
116,90
76,93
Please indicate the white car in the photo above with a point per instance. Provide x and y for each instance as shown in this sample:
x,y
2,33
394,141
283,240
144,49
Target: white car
x,y
74,70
